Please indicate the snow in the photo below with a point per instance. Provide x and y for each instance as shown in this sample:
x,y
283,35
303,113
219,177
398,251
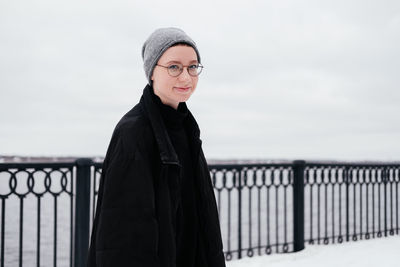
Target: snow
x,y
383,252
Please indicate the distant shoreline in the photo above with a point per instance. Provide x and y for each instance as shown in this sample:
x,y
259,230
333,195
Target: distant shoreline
x,y
46,159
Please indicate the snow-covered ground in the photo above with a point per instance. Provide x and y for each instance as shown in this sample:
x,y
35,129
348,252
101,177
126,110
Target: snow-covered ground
x,y
382,252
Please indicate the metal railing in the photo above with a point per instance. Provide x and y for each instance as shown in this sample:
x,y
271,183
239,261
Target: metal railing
x,y
31,194
47,208
351,202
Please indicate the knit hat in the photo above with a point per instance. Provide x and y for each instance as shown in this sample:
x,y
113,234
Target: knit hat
x,y
158,42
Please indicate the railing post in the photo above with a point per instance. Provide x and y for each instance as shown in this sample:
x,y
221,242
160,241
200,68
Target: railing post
x,y
240,215
82,210
385,180
348,179
298,205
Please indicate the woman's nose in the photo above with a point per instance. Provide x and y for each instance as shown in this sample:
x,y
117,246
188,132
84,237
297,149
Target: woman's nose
x,y
185,74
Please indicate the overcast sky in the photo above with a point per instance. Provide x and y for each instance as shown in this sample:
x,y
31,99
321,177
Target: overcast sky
x,y
282,79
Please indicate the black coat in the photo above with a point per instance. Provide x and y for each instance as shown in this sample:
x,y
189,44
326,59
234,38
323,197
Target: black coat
x,y
134,223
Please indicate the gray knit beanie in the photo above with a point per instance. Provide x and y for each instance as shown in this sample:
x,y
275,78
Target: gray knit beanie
x,y
158,42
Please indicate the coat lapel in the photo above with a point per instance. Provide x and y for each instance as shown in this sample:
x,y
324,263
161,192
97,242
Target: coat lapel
x,y
167,151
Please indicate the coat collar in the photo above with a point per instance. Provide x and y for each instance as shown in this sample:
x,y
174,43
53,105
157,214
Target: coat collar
x,y
167,151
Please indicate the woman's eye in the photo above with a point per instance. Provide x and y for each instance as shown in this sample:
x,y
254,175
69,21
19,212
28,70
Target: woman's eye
x,y
174,67
193,67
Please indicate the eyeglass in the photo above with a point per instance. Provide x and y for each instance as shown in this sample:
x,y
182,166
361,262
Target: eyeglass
x,y
176,69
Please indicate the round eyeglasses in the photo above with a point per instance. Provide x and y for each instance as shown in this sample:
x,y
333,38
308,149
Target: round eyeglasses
x,y
176,69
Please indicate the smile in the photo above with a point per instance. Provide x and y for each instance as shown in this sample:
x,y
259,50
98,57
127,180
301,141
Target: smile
x,y
183,89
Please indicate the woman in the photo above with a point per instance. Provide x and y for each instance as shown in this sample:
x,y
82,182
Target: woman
x,y
156,204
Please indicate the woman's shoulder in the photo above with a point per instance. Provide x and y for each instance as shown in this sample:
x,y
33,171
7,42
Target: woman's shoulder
x,y
133,130
133,120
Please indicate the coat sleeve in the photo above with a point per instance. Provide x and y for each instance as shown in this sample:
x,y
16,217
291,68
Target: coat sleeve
x,y
125,228
214,247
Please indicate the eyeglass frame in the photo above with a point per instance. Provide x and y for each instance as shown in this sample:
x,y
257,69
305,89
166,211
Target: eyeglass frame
x,y
199,65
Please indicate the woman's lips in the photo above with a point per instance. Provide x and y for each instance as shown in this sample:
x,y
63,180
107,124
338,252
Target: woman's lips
x,y
182,88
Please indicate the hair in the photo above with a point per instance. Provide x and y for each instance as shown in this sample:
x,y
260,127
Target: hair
x,y
184,44
181,43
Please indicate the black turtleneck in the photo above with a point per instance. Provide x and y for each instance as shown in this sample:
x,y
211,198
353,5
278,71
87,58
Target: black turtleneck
x,y
186,215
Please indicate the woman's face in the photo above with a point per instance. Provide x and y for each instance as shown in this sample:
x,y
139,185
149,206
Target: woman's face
x,y
173,90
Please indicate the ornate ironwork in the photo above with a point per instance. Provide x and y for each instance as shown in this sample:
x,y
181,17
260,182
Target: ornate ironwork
x,y
39,187
263,208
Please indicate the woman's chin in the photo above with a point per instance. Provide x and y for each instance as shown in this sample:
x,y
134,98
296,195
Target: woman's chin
x,y
183,99
183,95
